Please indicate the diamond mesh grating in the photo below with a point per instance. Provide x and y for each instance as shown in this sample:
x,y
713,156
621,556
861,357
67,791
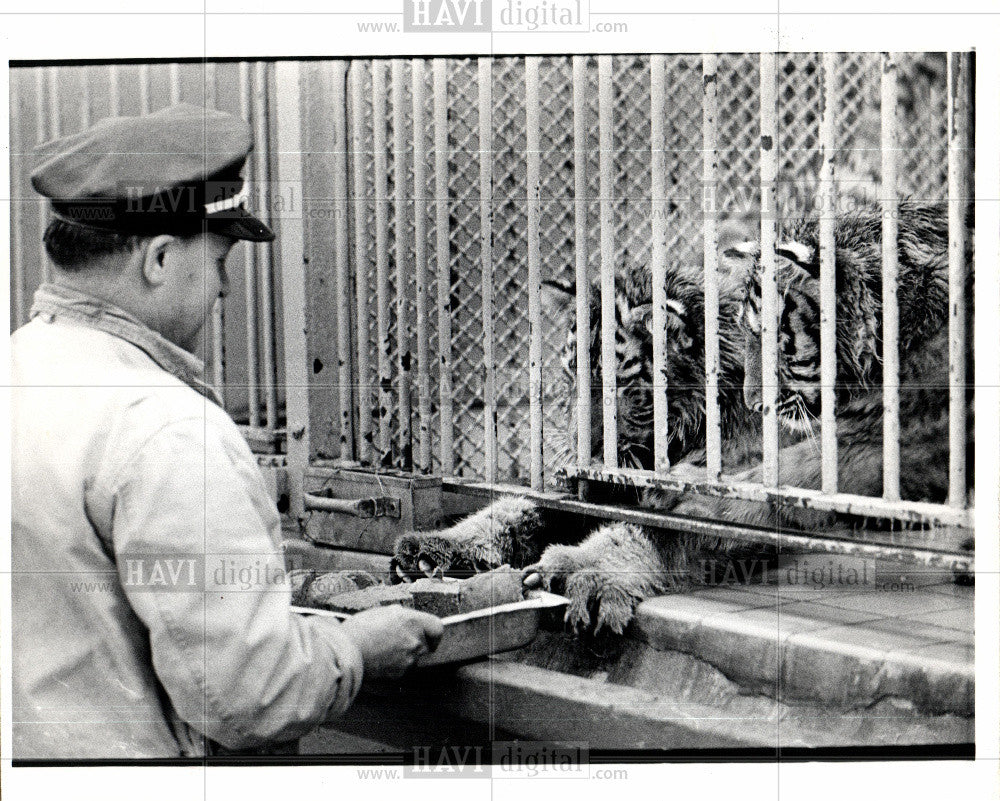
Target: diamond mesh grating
x,y
923,172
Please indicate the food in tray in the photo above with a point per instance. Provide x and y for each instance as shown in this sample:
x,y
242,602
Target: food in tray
x,y
441,598
497,587
312,588
360,600
438,597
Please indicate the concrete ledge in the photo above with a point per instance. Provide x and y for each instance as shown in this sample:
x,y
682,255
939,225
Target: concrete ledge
x,y
845,650
646,700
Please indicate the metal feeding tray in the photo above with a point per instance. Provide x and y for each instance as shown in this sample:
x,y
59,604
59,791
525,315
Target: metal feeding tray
x,y
474,635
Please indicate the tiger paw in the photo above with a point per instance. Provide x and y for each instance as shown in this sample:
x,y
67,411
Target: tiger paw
x,y
502,533
604,578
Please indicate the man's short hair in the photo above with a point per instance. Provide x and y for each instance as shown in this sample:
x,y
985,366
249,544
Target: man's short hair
x,y
74,247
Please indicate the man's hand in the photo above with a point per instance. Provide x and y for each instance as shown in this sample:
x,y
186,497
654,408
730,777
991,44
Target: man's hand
x,y
392,638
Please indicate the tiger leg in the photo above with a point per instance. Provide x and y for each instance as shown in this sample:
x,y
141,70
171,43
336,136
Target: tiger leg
x,y
505,532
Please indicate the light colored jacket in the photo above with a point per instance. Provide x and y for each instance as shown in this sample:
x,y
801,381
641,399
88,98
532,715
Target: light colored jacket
x,y
149,596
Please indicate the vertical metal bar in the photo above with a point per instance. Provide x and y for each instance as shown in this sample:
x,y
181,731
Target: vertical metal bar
x,y
293,282
609,361
385,401
52,75
175,84
219,307
47,129
420,264
265,253
959,65
658,228
250,268
583,389
768,281
485,88
341,249
443,264
361,316
890,275
19,301
828,273
84,98
710,179
114,90
403,321
534,187
145,105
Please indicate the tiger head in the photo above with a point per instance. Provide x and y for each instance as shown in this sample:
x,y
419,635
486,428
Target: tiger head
x,y
798,313
634,363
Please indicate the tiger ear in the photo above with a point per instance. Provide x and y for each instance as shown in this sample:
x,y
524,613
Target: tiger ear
x,y
800,254
738,259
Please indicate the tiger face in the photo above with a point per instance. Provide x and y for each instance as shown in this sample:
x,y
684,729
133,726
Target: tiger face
x,y
798,332
634,367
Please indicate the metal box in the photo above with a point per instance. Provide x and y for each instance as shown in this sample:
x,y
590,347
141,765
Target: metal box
x,y
366,511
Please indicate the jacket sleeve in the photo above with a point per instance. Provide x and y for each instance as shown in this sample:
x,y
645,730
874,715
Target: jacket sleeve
x,y
195,540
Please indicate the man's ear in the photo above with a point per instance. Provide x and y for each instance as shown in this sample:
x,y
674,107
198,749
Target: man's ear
x,y
154,260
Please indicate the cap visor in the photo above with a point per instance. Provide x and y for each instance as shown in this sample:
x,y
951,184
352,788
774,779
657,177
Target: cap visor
x,y
239,224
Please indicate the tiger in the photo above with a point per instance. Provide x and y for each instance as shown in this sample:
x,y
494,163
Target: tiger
x,y
617,565
633,334
922,296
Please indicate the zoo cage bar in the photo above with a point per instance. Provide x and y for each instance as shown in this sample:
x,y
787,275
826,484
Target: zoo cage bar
x,y
889,506
377,141
828,498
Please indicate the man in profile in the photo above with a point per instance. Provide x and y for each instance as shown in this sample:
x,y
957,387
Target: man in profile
x,y
129,481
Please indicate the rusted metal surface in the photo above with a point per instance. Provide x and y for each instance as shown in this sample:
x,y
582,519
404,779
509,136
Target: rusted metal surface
x,y
265,263
250,257
532,157
381,191
293,284
359,146
484,66
959,120
768,277
828,273
790,539
423,461
345,405
890,275
583,389
446,422
658,248
609,359
218,321
859,505
710,180
404,322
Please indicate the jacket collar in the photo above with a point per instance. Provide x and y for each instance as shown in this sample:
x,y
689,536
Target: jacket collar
x,y
54,301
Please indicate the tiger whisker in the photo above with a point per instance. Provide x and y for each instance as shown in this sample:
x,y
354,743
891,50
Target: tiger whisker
x,y
802,413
